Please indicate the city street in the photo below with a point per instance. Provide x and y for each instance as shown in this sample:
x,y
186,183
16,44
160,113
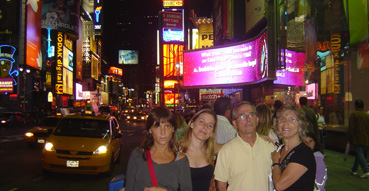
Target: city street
x,y
21,164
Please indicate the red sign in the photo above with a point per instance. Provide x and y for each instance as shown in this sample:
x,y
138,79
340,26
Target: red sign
x,y
172,20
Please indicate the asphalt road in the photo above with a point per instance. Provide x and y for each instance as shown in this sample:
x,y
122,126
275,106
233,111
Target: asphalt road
x,y
20,165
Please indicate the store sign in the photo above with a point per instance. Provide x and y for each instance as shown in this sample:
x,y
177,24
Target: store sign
x,y
238,64
172,3
116,71
59,64
172,20
335,49
6,85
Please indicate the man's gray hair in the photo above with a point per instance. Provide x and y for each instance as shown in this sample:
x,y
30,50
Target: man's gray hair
x,y
234,114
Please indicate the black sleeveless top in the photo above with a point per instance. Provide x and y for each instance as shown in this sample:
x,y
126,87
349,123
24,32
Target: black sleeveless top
x,y
201,177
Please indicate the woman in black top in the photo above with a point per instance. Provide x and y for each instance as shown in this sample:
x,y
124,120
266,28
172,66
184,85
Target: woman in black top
x,y
294,165
199,146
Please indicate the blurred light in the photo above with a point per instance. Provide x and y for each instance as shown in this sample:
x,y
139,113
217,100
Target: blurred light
x,y
29,134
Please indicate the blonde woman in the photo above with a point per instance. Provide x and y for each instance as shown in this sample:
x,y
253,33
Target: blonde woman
x,y
199,146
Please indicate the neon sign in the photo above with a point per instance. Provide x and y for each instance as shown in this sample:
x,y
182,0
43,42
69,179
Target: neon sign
x,y
7,60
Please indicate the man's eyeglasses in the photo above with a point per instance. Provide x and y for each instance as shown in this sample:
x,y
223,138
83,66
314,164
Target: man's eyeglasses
x,y
245,116
283,120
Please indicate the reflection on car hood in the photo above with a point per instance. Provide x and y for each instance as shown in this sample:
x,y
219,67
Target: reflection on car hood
x,y
77,143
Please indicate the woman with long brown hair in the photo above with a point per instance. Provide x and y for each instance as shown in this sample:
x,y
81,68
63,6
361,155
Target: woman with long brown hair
x,y
170,167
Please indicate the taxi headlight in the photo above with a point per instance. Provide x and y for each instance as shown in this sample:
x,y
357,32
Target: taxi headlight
x,y
28,134
49,147
101,150
3,121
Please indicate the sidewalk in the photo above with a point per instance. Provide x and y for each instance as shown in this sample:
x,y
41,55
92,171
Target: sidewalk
x,y
339,177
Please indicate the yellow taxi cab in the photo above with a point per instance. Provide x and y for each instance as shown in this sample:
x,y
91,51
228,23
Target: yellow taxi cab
x,y
40,133
83,145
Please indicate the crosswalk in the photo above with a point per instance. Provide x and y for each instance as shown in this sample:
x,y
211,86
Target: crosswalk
x,y
11,138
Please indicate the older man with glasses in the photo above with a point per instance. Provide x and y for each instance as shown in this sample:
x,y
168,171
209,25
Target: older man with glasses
x,y
245,162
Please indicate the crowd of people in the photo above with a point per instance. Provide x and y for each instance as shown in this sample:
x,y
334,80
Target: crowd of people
x,y
232,147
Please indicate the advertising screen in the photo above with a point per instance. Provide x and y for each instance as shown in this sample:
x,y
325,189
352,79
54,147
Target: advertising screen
x,y
61,15
172,35
67,82
293,75
33,35
6,85
242,63
79,92
128,57
67,58
312,91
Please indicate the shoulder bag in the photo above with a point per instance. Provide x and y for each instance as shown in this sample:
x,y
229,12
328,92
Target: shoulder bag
x,y
151,169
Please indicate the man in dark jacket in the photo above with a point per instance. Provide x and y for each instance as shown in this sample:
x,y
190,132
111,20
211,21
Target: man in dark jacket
x,y
310,117
357,135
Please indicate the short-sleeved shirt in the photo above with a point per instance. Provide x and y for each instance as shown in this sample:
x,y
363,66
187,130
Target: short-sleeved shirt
x,y
244,167
225,130
173,176
304,156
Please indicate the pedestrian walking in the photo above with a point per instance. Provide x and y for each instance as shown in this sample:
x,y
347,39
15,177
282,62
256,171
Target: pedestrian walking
x,y
357,135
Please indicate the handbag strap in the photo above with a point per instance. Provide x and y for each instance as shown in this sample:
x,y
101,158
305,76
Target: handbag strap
x,y
151,169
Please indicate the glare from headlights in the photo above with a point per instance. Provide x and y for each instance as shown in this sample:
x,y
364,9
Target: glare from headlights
x,y
101,150
29,134
49,147
128,117
3,121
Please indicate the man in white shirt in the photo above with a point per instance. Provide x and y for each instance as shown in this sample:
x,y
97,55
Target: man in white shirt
x,y
225,130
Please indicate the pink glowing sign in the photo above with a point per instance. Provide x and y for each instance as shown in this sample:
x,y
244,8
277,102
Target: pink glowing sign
x,y
238,64
293,75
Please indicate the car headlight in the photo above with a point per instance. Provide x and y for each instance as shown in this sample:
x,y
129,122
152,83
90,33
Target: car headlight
x,y
128,117
49,147
3,121
101,150
134,117
28,134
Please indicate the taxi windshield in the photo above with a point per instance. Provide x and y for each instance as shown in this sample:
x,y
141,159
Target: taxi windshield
x,y
83,128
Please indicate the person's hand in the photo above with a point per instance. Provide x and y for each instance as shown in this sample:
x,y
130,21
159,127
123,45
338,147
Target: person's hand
x,y
154,189
275,156
266,138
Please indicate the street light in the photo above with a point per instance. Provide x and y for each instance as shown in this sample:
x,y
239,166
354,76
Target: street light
x,y
24,72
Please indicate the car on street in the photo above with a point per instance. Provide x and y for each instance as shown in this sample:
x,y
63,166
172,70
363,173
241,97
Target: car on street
x,y
137,116
84,145
12,119
40,133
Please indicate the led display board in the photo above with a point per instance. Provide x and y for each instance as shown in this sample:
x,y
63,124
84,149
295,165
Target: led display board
x,y
61,15
172,35
171,98
238,64
294,73
172,20
116,71
79,91
128,57
67,58
6,85
311,91
33,35
172,59
67,82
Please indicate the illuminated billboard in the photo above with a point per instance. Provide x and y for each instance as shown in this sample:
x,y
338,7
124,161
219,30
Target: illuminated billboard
x,y
61,15
171,98
67,58
128,57
173,35
67,82
172,3
59,63
6,85
33,35
79,91
172,58
237,64
116,71
293,75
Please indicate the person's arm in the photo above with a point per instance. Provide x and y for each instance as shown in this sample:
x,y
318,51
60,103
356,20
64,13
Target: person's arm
x,y
221,186
290,175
